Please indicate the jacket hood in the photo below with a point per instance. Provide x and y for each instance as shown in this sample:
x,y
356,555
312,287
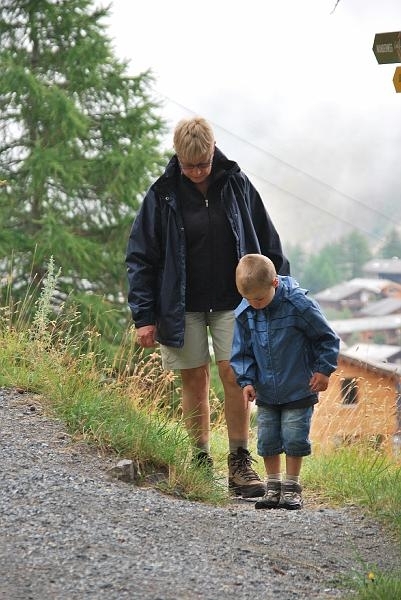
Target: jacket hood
x,y
286,285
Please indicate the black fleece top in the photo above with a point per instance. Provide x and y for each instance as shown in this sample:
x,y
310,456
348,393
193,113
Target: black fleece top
x,y
211,256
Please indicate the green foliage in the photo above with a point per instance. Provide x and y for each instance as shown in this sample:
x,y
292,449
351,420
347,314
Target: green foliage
x,y
374,585
321,271
297,257
336,262
41,320
375,484
391,246
360,476
79,145
333,314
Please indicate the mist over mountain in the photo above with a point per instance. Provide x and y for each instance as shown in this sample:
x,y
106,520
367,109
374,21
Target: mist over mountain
x,y
317,187
295,95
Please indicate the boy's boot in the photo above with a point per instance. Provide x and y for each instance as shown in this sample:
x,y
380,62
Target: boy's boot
x,y
242,479
291,495
271,499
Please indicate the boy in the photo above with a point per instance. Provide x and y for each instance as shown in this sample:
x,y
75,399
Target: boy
x,y
283,353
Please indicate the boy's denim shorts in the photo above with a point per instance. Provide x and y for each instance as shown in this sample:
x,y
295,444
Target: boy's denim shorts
x,y
202,329
285,430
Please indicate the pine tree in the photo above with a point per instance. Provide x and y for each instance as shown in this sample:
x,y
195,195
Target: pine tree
x,y
336,262
79,144
353,253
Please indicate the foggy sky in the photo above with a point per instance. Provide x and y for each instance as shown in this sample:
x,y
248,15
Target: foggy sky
x,y
295,95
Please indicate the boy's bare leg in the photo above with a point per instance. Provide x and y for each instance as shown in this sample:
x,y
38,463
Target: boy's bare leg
x,y
293,465
272,464
273,485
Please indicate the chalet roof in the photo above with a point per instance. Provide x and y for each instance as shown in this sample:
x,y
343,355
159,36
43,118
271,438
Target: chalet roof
x,y
342,326
383,265
374,352
348,288
385,306
371,365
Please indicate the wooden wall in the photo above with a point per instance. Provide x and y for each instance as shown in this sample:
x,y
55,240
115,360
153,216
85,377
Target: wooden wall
x,y
372,419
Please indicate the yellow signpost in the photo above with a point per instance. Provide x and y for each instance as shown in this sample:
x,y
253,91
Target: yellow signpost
x,y
397,79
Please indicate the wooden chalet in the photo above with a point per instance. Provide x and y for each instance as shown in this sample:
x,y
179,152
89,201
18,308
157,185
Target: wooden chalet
x,y
362,404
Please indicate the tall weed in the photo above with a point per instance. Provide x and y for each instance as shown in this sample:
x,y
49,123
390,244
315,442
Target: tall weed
x,y
126,412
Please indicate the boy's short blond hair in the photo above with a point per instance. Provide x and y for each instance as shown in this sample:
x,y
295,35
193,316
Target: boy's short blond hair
x,y
193,139
254,272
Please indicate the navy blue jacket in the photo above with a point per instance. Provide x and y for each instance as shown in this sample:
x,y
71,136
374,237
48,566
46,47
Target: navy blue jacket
x,y
278,348
156,254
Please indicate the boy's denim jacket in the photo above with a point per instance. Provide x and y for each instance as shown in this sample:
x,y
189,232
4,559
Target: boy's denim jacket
x,y
278,348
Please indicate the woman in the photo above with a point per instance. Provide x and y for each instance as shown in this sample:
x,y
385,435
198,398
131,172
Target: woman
x,y
195,223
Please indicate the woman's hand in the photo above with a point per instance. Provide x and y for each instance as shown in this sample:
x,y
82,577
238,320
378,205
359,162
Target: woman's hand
x,y
145,336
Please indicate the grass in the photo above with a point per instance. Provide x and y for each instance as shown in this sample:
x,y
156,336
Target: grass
x,y
131,409
377,586
126,408
360,476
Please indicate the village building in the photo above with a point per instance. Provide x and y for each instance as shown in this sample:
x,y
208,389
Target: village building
x,y
379,330
361,405
358,293
363,401
377,353
384,268
387,306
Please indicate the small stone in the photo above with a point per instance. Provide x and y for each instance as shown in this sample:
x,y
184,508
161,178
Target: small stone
x,y
125,470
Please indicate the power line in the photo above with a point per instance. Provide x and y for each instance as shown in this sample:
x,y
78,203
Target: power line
x,y
312,177
297,170
342,220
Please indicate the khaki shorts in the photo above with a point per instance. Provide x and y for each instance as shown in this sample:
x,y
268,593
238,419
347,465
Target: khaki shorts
x,y
196,350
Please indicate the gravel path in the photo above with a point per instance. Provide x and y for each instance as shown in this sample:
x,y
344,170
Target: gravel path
x,y
70,532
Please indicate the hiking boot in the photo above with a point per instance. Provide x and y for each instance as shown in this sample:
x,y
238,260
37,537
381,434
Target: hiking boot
x,y
242,479
203,459
291,495
272,497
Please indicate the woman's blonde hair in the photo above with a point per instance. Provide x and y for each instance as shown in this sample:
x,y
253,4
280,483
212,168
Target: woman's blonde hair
x,y
193,139
254,272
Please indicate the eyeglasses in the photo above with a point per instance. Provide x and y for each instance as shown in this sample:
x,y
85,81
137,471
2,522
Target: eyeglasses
x,y
201,166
